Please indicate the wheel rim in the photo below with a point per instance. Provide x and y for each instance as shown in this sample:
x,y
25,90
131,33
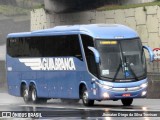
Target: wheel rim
x,y
34,97
25,94
85,97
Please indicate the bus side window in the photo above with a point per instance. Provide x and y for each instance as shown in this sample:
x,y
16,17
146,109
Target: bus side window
x,y
12,46
63,45
74,45
15,48
34,46
88,41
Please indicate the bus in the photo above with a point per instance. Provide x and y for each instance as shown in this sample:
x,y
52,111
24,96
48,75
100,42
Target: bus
x,y
88,62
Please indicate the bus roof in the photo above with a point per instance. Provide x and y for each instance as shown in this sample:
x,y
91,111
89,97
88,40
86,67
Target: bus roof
x,y
100,31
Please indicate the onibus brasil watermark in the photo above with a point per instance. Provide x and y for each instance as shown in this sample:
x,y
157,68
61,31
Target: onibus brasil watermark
x,y
8,114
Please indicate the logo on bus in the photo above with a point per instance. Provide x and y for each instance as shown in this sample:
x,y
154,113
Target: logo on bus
x,y
49,63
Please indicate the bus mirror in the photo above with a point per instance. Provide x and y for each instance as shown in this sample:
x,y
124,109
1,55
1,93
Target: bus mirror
x,y
93,80
96,54
151,54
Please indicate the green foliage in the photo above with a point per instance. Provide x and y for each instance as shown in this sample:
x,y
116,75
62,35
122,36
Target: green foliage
x,y
144,9
10,10
114,7
22,7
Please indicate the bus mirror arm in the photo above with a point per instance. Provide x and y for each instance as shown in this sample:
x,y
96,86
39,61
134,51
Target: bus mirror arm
x,y
151,54
93,81
96,54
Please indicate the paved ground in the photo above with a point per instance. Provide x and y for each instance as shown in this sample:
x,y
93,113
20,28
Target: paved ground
x,y
106,110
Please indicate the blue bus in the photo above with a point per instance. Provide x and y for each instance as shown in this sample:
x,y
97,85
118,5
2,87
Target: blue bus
x,y
88,62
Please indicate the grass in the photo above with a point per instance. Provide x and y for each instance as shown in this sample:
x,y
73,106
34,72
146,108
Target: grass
x,y
10,10
114,7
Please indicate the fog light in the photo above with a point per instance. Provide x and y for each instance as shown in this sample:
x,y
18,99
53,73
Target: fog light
x,y
105,95
144,93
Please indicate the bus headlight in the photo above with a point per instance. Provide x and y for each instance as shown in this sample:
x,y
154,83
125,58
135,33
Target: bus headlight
x,y
144,85
104,86
106,95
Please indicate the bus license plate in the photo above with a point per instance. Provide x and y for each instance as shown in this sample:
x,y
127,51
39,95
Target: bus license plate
x,y
126,95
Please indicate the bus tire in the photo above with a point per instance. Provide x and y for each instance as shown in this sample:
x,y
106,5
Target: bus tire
x,y
26,94
85,100
127,101
34,97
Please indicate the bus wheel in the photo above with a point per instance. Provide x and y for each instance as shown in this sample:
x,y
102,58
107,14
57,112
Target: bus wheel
x,y
34,97
85,99
127,101
26,94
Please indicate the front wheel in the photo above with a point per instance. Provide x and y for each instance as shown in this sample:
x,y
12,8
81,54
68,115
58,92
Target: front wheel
x,y
85,99
127,101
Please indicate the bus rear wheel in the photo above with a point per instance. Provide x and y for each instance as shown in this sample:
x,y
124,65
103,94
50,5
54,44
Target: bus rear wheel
x,y
85,99
34,97
127,101
26,94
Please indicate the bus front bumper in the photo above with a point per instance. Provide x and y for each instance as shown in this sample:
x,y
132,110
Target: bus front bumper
x,y
121,92
113,95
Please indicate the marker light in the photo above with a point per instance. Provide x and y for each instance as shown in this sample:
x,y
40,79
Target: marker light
x,y
144,93
144,85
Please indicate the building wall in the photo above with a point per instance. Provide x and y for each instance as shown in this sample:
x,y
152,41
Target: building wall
x,y
3,81
9,25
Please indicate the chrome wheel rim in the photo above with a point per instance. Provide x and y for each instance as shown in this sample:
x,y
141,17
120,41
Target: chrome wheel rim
x,y
34,95
25,94
85,97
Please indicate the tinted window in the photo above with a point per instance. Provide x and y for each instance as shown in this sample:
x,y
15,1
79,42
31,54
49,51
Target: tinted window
x,y
62,46
88,41
49,46
25,47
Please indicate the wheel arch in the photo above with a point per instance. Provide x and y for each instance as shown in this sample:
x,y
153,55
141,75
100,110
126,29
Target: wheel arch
x,y
23,83
81,85
31,84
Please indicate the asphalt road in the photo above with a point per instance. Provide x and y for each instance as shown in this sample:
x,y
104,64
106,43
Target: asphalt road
x,y
141,109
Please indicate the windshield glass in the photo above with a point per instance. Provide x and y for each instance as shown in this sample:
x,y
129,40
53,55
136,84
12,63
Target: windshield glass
x,y
122,59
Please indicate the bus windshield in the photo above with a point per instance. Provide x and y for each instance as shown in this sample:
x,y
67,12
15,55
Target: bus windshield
x,y
121,60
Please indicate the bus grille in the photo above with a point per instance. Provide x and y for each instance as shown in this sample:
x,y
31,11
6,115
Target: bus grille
x,y
126,89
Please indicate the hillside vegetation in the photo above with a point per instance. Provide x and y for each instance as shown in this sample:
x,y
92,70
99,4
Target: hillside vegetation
x,y
18,7
114,7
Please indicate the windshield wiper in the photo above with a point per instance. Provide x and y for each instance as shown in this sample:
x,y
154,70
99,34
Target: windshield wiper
x,y
120,64
115,76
